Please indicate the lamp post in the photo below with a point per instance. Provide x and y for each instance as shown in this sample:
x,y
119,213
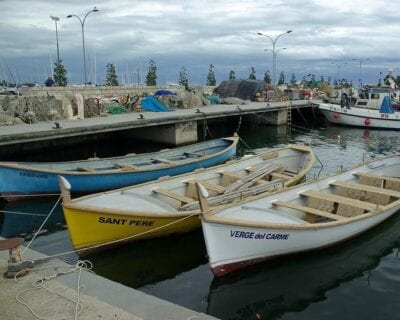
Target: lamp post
x,y
274,40
56,19
274,58
338,65
82,21
360,60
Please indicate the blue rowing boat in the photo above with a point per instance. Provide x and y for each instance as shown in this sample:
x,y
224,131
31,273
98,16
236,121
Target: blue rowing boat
x,y
30,178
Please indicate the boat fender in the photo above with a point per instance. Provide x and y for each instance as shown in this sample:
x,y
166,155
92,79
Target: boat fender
x,y
367,121
336,115
65,182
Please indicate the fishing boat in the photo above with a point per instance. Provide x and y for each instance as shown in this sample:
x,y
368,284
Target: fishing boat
x,y
372,109
273,287
170,204
92,175
309,216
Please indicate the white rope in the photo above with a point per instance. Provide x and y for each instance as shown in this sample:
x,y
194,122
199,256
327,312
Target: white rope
x,y
42,225
24,213
118,240
29,195
40,283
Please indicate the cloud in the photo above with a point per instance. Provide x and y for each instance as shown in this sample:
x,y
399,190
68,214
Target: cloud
x,y
197,33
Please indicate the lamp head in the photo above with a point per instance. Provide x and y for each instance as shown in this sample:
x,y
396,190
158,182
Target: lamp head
x,y
289,31
54,18
259,33
95,9
69,16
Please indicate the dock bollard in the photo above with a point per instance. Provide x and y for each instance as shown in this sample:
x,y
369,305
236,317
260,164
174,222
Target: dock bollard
x,y
15,264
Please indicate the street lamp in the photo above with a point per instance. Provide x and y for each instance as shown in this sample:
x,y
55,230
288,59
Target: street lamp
x,y
83,36
274,40
360,60
55,19
338,65
274,58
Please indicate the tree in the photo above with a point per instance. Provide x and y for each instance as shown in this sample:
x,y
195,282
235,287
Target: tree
x,y
211,81
60,74
252,75
293,80
183,78
111,76
267,77
151,77
232,75
281,78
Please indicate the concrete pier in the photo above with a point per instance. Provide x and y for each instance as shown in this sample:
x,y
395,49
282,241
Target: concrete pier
x,y
100,298
175,127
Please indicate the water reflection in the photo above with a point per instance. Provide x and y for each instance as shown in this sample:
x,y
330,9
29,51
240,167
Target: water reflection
x,y
151,261
23,218
289,284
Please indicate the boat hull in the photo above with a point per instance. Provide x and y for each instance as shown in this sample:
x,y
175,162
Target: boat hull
x,y
360,117
94,231
19,180
240,247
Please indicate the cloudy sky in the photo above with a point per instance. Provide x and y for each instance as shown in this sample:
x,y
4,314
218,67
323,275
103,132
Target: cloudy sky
x,y
327,35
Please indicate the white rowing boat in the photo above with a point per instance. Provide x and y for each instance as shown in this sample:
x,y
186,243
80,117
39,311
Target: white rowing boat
x,y
306,217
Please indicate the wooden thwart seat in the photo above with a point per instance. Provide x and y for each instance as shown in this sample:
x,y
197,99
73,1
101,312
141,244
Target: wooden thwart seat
x,y
340,199
173,195
363,187
86,169
309,210
208,185
120,165
163,160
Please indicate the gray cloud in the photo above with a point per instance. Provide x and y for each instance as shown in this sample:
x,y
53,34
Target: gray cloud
x,y
197,33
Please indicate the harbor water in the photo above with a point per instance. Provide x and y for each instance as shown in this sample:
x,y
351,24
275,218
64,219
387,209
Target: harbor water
x,y
359,279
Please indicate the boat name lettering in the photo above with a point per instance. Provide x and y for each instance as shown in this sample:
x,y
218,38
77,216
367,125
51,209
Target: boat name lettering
x,y
32,174
141,223
259,235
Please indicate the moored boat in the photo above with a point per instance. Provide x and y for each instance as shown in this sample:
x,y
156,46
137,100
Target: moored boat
x,y
29,178
372,109
170,205
310,216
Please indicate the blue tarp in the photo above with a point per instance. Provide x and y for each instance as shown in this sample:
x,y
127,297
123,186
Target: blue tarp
x,y
150,103
164,93
386,106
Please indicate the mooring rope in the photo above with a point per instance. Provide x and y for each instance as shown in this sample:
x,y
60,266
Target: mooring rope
x,y
40,283
113,241
42,225
29,195
24,213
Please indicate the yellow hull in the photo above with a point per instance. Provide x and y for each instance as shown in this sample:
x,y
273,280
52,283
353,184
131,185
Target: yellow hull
x,y
92,231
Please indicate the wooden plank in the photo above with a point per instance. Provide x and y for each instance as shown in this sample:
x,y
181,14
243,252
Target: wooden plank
x,y
208,185
229,197
362,187
86,169
280,176
251,178
368,175
228,178
163,160
173,195
340,199
124,166
308,210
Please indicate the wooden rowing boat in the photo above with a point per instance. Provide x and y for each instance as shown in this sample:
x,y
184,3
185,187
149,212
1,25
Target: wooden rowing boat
x,y
170,205
28,178
306,217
